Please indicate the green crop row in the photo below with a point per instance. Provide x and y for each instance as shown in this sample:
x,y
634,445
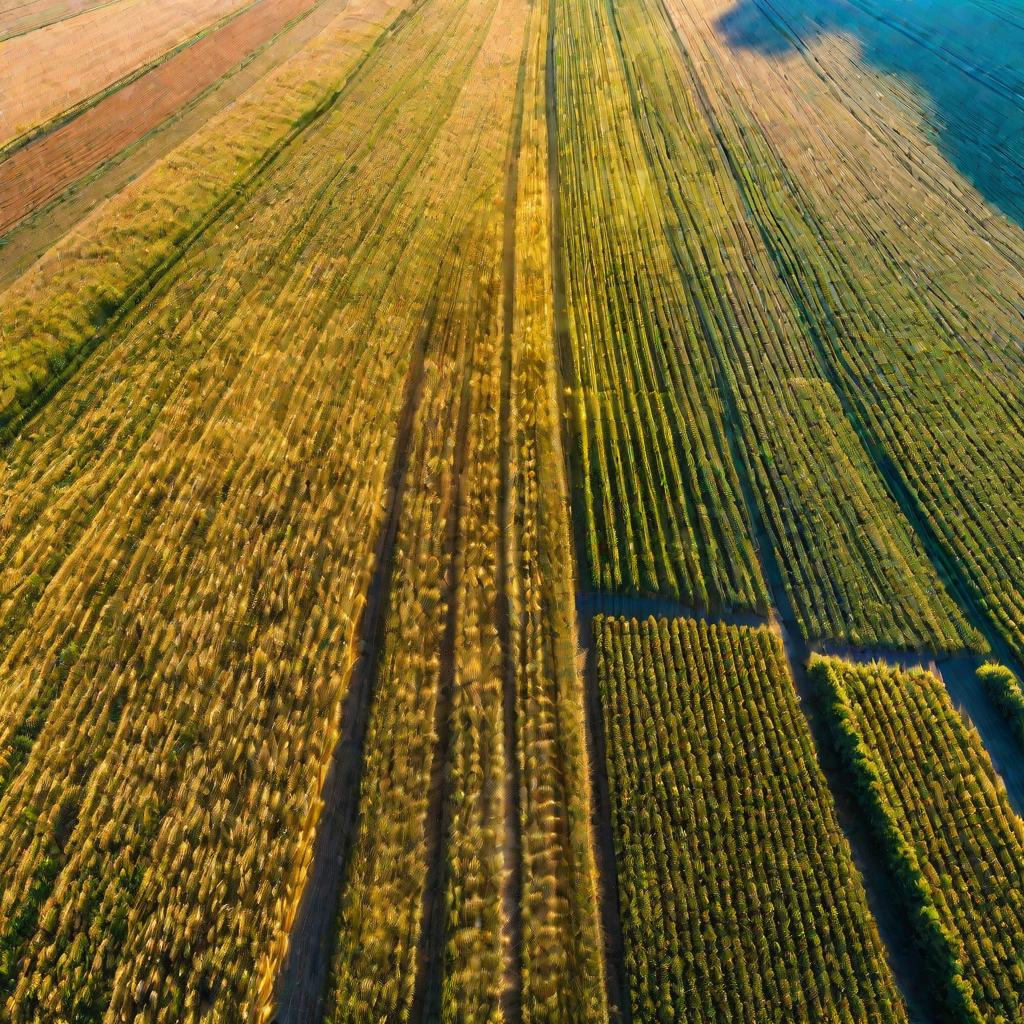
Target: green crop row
x,y
902,284
658,488
739,896
954,846
852,566
562,965
1005,689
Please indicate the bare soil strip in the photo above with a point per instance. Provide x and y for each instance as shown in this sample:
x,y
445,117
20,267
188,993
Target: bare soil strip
x,y
302,981
43,169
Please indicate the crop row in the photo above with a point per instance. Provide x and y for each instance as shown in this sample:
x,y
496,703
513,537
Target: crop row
x,y
439,670
561,947
659,491
1006,692
190,537
434,783
847,556
954,845
739,896
905,285
58,311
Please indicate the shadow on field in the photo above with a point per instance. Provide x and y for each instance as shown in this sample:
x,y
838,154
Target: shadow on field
x,y
965,58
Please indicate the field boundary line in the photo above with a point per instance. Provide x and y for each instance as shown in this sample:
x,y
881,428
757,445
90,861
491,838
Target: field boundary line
x,y
512,887
616,979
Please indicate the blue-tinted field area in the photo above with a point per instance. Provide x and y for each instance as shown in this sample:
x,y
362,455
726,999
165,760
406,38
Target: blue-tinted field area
x,y
965,56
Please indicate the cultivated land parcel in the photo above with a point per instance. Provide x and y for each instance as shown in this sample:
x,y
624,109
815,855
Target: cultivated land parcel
x,y
510,511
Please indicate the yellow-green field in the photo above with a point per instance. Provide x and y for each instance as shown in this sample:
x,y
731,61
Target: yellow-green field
x,y
500,515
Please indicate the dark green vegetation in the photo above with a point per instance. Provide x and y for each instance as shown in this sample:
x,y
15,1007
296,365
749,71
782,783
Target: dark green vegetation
x,y
1005,690
739,897
954,845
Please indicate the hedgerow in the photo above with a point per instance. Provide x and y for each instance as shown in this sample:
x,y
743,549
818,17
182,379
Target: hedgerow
x,y
1005,689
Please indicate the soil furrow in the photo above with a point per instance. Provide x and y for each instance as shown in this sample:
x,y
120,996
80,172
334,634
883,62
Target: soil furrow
x,y
302,981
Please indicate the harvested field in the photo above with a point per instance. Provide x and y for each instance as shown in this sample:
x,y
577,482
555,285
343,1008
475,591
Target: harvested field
x,y
42,169
20,16
53,70
37,234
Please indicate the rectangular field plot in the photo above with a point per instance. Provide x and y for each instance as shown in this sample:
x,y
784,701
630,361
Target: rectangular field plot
x,y
952,839
656,484
739,898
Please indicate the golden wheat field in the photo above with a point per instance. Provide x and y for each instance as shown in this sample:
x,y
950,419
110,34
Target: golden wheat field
x,y
511,511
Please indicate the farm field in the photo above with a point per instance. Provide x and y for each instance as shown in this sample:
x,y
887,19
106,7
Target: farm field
x,y
85,135
510,511
52,69
953,840
734,878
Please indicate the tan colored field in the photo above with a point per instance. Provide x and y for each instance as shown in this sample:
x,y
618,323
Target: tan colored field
x,y
48,71
41,170
17,18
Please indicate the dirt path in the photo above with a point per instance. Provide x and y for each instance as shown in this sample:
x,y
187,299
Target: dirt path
x,y
302,981
36,233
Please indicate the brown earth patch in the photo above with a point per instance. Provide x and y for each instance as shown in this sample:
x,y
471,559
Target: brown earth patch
x,y
44,168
